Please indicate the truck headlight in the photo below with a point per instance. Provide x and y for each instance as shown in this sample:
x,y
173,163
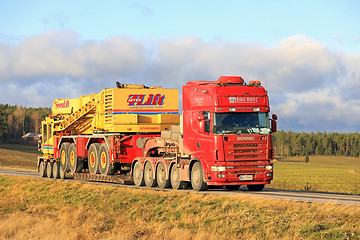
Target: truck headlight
x,y
268,167
218,168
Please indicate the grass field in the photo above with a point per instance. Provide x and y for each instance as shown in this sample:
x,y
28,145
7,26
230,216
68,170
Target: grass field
x,y
20,148
33,208
336,174
18,156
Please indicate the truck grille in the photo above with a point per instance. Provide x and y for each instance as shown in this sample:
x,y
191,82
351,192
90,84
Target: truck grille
x,y
245,151
241,145
235,151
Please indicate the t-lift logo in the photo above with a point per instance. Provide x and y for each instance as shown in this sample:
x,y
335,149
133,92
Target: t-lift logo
x,y
64,104
143,100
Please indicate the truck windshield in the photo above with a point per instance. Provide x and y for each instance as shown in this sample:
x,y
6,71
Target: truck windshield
x,y
241,123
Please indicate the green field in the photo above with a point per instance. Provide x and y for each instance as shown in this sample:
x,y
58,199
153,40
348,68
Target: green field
x,y
335,174
20,148
18,156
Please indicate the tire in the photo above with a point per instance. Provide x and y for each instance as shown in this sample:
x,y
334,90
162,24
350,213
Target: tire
x,y
148,175
176,184
42,169
258,187
138,175
75,164
93,158
161,180
49,169
64,156
232,187
105,168
62,173
197,178
56,170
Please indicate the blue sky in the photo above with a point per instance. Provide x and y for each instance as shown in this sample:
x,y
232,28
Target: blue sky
x,y
334,23
306,53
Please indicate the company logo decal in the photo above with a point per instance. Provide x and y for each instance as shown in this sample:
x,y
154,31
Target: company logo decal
x,y
144,100
64,104
245,138
242,99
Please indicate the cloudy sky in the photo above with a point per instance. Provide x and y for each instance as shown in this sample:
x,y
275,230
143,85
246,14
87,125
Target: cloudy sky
x,y
306,53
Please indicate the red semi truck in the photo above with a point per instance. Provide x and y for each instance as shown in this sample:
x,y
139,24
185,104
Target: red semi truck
x,y
223,139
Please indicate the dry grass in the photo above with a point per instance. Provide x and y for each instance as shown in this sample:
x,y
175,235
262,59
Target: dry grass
x,y
48,209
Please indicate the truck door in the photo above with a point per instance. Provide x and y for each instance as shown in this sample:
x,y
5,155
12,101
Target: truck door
x,y
47,138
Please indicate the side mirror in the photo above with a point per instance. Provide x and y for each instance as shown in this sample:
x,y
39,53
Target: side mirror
x,y
273,123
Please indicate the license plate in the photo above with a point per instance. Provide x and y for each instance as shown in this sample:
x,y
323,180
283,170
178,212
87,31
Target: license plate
x,y
246,177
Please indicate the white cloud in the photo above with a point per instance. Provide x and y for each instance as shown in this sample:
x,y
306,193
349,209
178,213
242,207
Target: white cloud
x,y
64,54
311,87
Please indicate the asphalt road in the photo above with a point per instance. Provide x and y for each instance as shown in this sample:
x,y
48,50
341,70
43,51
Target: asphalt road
x,y
299,196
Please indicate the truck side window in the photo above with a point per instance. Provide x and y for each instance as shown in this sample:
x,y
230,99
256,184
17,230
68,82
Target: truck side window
x,y
207,121
44,133
50,130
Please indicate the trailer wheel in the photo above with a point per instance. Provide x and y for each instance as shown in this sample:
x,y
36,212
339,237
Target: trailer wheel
x,y
105,167
93,158
62,173
258,187
138,175
49,169
148,175
162,182
76,164
197,178
175,178
64,156
232,187
42,169
56,170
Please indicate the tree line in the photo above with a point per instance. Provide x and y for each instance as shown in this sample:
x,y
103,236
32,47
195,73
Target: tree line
x,y
302,144
16,121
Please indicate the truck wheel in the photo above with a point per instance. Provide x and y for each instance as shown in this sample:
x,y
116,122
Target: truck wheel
x,y
62,173
232,187
56,170
148,175
258,187
138,175
105,168
76,164
93,158
175,178
42,169
162,182
49,169
197,178
64,156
